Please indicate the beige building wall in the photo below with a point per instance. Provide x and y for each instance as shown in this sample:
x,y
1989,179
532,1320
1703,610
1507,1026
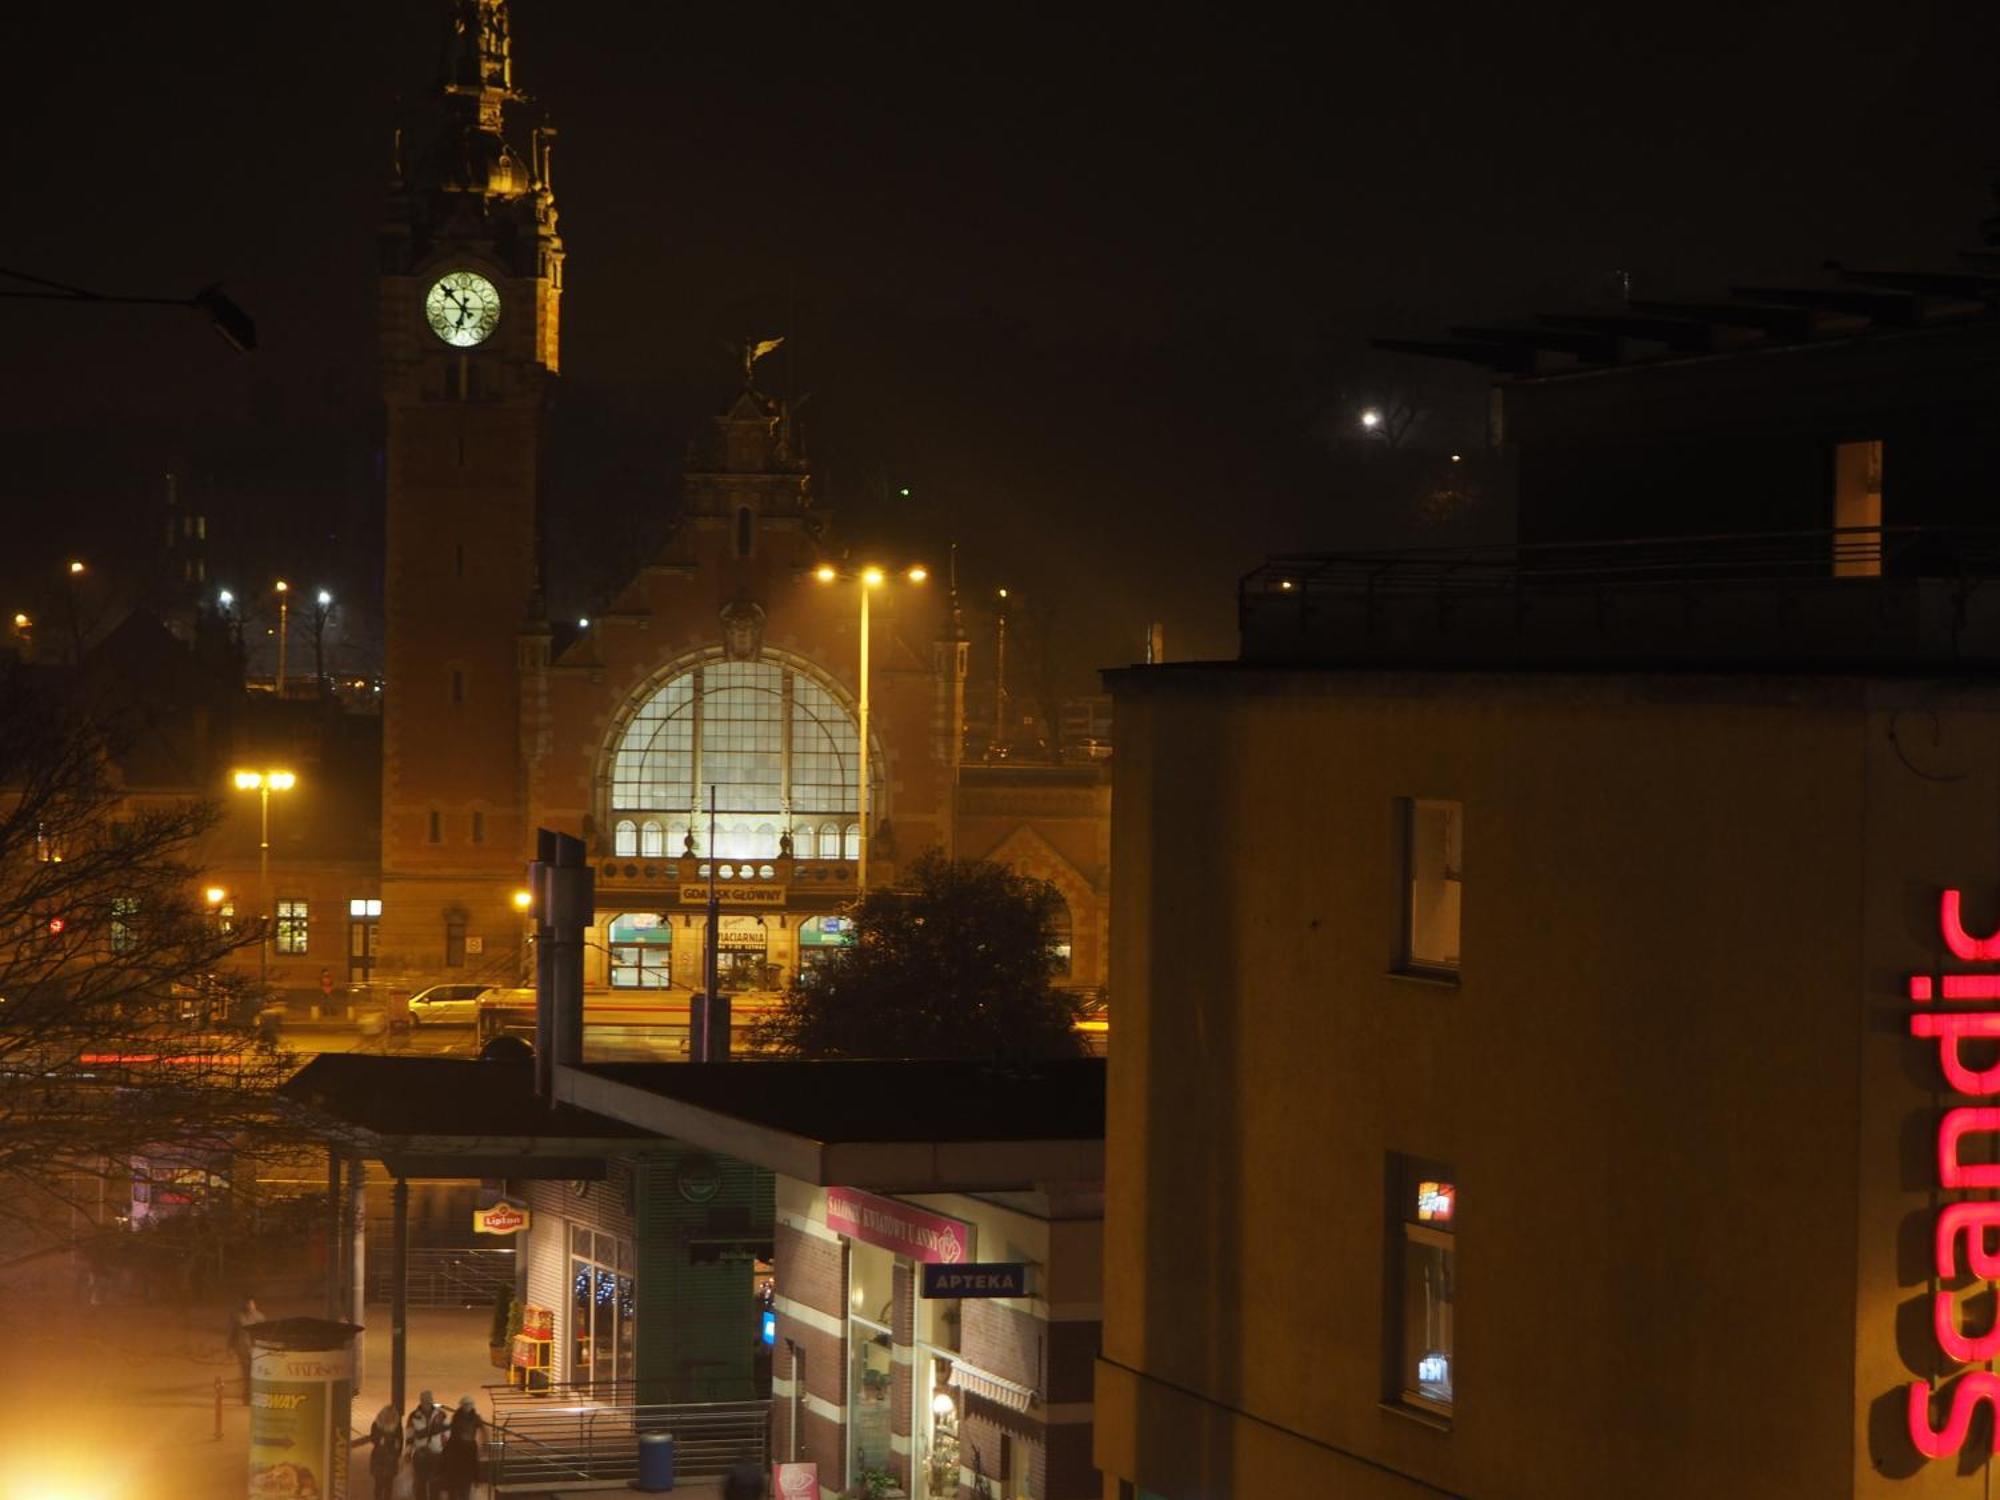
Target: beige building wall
x,y
1690,1138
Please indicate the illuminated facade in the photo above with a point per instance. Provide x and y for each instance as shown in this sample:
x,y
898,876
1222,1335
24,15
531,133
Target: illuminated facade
x,y
726,664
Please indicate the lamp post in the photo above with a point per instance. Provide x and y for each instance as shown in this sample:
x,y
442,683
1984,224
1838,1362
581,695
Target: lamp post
x,y
284,609
263,783
76,572
322,608
869,578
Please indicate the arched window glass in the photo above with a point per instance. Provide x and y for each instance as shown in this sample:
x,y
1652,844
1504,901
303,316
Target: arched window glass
x,y
652,840
853,850
677,834
1059,940
803,842
641,946
625,838
770,736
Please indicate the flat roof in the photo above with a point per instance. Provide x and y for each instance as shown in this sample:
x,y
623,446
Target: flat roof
x,y
454,1117
906,1125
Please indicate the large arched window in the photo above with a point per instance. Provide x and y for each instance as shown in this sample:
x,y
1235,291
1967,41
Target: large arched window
x,y
773,738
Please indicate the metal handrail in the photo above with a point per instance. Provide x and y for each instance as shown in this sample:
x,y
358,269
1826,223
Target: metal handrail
x,y
536,1441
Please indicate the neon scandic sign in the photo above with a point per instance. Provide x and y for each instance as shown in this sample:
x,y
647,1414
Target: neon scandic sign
x,y
1974,1221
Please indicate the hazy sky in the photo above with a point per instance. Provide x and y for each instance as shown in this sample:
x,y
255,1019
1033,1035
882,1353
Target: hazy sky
x,y
1094,283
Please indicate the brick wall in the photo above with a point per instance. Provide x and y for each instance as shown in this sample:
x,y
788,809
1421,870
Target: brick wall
x,y
1002,1340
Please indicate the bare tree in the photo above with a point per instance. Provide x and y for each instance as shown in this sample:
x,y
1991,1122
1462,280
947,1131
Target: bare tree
x,y
117,1031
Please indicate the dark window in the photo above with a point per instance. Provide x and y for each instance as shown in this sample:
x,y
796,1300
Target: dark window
x,y
437,826
454,942
743,532
479,828
457,685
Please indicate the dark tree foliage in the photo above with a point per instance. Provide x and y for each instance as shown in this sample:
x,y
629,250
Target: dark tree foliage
x,y
117,1034
959,964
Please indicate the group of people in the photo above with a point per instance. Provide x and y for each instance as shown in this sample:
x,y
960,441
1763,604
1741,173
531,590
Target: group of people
x,y
443,1449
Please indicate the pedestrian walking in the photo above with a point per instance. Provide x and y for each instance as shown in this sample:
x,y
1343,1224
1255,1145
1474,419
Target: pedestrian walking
x,y
462,1449
385,1457
424,1436
247,1317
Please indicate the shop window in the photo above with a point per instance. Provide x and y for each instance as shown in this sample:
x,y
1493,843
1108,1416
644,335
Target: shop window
x,y
478,827
1433,862
454,941
871,1363
625,838
292,928
641,946
652,839
1857,509
1423,1230
602,1329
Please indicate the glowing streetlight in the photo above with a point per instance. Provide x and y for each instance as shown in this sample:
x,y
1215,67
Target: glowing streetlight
x,y
213,895
225,599
21,621
870,577
523,900
322,611
1371,419
284,606
263,783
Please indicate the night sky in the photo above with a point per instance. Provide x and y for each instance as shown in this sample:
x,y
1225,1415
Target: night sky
x,y
1094,284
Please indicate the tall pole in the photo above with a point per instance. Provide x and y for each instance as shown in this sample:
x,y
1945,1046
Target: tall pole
x,y
861,760
399,1293
701,1048
357,1195
1000,672
284,616
264,877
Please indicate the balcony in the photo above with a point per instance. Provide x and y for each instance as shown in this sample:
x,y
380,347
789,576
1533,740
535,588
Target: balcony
x,y
1863,599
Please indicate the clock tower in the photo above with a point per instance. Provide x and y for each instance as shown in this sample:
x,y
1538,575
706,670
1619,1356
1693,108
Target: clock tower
x,y
471,281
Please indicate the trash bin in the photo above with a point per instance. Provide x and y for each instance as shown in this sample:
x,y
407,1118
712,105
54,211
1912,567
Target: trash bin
x,y
656,1462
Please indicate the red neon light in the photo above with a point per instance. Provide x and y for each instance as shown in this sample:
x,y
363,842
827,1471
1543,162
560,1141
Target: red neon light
x,y
1956,1125
1962,943
1982,1256
1972,986
1949,1027
1953,1340
1920,987
1967,1392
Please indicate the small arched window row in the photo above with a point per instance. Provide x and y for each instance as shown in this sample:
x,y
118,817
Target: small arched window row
x,y
734,839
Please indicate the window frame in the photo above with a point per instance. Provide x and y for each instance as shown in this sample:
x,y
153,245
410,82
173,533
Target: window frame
x,y
1408,963
1403,1231
291,927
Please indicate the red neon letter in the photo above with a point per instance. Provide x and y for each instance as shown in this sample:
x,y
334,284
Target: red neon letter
x,y
1956,1125
1966,1393
1963,944
1955,1341
1982,1258
1948,1027
1920,987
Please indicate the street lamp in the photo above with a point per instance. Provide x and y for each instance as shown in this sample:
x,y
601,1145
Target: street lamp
x,y
284,606
322,609
870,578
76,572
263,783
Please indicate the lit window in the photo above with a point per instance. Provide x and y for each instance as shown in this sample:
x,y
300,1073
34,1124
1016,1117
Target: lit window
x,y
1433,861
1857,509
770,738
652,839
625,838
292,927
124,915
803,842
1424,1222
363,907
641,946
1059,939
853,850
225,917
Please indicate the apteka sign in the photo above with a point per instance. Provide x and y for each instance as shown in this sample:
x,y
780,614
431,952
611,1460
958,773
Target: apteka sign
x,y
974,1278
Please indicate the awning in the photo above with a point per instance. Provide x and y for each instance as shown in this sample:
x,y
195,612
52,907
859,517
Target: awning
x,y
977,1382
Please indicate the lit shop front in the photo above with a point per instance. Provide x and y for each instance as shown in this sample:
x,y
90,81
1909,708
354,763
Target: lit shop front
x,y
904,1357
658,940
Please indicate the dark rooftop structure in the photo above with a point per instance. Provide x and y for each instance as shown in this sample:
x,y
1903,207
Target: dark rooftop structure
x,y
893,1125
448,1117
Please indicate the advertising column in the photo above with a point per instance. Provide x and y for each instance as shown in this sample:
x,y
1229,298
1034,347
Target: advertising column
x,y
301,1387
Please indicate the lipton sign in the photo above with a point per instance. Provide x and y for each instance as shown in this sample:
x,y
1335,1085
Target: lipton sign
x,y
1970,1224
501,1218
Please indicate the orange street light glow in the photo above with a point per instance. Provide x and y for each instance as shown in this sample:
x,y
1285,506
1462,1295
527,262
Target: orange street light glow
x,y
824,573
918,574
76,567
871,576
523,900
21,621
215,893
282,585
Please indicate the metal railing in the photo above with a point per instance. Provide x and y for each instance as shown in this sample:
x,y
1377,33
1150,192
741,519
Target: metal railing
x,y
563,1435
444,1277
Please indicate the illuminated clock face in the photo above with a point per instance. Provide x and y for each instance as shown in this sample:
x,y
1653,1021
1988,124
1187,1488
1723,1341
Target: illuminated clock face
x,y
463,308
